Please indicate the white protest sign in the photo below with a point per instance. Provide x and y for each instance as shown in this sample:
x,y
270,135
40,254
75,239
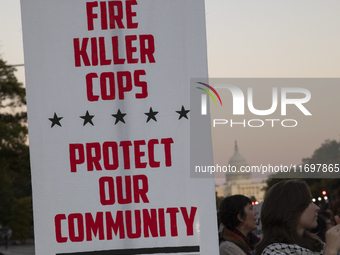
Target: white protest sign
x,y
108,108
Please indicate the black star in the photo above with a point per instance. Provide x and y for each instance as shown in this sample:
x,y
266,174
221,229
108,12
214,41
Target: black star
x,y
119,116
183,113
55,120
87,118
151,115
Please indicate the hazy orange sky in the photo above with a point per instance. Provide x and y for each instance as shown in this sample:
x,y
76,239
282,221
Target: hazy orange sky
x,y
249,39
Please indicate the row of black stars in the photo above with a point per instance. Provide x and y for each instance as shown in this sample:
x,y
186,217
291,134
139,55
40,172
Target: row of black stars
x,y
119,116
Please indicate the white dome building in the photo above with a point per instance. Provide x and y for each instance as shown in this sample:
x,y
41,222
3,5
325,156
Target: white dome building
x,y
238,182
237,160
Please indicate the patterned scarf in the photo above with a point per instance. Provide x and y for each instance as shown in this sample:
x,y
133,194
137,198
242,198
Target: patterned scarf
x,y
288,249
245,243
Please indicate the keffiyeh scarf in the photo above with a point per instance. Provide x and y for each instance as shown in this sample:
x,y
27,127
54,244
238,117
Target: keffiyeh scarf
x,y
288,249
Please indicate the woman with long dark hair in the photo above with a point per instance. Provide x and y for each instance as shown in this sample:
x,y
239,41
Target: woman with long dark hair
x,y
239,218
287,214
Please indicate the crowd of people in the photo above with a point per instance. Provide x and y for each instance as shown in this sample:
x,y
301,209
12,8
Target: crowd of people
x,y
291,224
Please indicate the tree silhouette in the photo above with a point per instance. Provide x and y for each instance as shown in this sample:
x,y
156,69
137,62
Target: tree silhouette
x,y
329,154
15,181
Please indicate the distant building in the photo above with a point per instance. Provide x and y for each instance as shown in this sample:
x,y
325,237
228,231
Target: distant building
x,y
240,183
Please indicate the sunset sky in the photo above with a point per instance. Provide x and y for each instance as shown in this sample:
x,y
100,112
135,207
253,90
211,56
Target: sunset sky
x,y
253,39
